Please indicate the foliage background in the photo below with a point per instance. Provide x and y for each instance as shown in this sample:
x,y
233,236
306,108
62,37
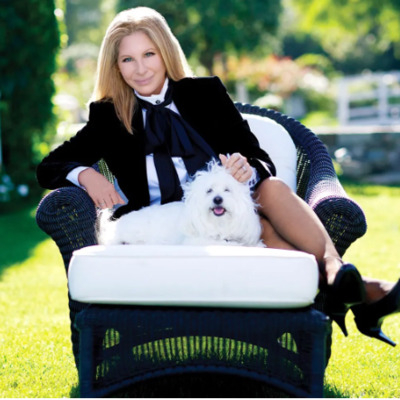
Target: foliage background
x,y
29,40
276,49
218,27
354,34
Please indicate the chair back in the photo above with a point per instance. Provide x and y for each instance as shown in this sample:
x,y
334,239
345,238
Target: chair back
x,y
313,159
276,141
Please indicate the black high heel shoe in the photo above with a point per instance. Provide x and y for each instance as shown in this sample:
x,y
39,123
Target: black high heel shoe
x,y
369,317
346,291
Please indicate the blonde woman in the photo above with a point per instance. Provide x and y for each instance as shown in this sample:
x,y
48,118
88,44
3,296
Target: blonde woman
x,y
155,125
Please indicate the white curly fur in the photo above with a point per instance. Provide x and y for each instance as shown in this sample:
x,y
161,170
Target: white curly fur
x,y
216,209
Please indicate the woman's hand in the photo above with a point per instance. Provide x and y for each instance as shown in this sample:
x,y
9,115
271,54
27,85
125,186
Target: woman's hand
x,y
237,166
101,191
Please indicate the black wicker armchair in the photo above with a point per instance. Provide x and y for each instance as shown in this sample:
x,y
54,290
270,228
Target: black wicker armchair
x,y
68,216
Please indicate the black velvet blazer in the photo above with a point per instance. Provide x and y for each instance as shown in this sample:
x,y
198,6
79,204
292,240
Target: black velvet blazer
x,y
202,102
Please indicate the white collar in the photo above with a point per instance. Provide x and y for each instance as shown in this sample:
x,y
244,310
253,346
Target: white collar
x,y
155,98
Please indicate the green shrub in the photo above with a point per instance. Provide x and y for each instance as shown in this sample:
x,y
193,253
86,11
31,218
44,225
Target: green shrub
x,y
29,40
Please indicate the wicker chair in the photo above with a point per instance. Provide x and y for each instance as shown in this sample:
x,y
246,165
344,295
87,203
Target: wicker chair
x,y
68,216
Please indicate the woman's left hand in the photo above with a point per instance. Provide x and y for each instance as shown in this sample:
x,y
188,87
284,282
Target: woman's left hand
x,y
237,166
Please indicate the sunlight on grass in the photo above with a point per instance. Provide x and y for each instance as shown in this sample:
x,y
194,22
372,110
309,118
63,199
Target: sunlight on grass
x,y
360,366
36,356
377,254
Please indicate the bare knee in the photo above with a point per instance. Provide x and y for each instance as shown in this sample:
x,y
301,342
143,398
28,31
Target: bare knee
x,y
271,190
292,218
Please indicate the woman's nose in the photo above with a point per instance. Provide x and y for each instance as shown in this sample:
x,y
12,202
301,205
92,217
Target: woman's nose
x,y
140,67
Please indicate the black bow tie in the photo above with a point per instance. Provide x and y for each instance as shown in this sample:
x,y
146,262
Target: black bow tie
x,y
169,135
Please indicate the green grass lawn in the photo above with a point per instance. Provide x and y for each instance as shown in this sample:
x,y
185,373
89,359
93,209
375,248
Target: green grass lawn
x,y
360,366
36,357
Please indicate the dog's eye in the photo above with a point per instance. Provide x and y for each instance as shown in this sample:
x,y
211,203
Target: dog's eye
x,y
227,190
209,191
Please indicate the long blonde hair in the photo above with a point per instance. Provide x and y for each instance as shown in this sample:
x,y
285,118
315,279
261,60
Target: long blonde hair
x,y
109,84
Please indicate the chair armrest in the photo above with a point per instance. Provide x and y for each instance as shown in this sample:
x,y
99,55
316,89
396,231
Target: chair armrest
x,y
68,216
342,217
320,188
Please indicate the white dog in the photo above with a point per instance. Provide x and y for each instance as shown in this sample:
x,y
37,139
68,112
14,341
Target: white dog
x,y
216,209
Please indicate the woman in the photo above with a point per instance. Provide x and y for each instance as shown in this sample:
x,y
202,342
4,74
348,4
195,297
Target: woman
x,y
155,124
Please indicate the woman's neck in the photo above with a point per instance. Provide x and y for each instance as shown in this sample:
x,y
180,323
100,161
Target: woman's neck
x,y
155,98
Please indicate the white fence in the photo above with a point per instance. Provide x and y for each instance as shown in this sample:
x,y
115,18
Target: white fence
x,y
369,99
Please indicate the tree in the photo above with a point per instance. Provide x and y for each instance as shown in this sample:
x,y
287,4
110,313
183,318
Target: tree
x,y
29,41
356,34
209,28
86,21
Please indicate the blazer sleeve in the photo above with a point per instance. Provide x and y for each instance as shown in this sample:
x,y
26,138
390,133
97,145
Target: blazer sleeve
x,y
239,138
83,149
206,104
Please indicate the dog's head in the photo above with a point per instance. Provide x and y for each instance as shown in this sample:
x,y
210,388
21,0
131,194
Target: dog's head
x,y
217,203
217,193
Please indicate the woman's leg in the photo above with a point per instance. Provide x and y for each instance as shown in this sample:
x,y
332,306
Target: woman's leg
x,y
291,224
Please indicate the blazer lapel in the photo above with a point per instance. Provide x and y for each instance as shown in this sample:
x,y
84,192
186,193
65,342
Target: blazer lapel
x,y
135,166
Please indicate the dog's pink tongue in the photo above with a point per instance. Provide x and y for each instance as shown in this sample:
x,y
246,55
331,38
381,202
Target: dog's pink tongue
x,y
219,210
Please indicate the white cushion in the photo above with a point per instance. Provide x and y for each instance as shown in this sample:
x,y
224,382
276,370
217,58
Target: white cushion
x,y
276,141
212,276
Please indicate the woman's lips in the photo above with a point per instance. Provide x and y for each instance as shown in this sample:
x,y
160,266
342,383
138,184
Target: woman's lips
x,y
143,82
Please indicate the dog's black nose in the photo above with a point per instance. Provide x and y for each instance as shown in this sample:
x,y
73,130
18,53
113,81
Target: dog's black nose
x,y
218,200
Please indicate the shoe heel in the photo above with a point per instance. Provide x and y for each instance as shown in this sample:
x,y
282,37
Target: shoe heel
x,y
376,333
340,321
347,290
373,329
381,336
369,317
349,285
337,312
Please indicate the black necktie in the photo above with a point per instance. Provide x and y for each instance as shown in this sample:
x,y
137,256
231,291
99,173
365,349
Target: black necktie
x,y
169,135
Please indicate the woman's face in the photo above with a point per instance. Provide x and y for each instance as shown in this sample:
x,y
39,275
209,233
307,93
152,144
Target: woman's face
x,y
141,64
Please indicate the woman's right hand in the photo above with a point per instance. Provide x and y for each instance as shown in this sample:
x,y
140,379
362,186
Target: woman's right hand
x,y
101,191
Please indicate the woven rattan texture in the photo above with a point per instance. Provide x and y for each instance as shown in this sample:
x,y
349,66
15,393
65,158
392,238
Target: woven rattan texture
x,y
125,345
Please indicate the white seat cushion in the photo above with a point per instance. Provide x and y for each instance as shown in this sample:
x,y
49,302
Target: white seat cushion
x,y
211,276
276,141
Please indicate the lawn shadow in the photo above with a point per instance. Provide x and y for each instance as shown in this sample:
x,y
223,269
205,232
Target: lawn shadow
x,y
203,385
185,387
333,393
19,232
75,392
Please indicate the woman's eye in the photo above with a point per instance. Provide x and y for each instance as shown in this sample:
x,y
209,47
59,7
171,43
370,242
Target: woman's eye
x,y
149,54
127,59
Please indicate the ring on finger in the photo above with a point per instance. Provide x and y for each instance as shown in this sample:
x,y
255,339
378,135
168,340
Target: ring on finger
x,y
244,168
